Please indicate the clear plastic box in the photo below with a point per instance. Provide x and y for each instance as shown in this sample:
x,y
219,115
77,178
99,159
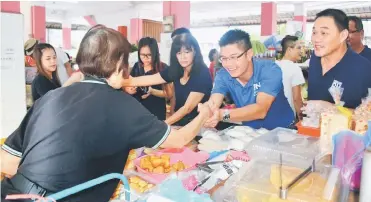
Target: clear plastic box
x,y
134,194
280,141
260,182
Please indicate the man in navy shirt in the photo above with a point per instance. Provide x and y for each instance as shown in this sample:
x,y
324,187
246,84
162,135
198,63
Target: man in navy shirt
x,y
356,34
333,64
254,85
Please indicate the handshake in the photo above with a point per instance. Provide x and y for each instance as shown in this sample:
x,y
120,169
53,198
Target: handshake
x,y
211,113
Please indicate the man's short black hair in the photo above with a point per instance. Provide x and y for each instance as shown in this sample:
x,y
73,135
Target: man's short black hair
x,y
212,53
180,31
288,41
340,18
236,36
357,21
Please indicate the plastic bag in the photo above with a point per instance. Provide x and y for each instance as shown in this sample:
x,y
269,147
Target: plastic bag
x,y
347,155
173,189
361,115
336,92
313,110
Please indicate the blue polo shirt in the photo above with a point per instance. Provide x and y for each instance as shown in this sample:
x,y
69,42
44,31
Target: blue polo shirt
x,y
353,73
267,78
366,52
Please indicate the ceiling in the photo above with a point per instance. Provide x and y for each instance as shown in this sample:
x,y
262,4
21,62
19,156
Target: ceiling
x,y
202,12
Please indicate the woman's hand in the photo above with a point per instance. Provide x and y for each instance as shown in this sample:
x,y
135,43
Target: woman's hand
x,y
149,92
127,82
74,78
205,110
145,96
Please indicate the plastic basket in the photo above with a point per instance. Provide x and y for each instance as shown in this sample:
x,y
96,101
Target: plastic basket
x,y
78,188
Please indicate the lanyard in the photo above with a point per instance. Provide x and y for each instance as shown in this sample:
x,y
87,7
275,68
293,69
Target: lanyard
x,y
93,79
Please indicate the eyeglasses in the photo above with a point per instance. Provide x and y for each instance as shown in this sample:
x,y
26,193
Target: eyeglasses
x,y
233,59
354,31
148,56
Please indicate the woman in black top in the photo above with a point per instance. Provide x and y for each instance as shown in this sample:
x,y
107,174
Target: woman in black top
x,y
46,63
152,97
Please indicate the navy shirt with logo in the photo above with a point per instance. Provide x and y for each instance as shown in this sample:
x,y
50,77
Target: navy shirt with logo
x,y
352,73
366,52
266,78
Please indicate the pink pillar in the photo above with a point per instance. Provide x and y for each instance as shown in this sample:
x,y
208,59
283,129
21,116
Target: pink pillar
x,y
10,6
136,30
66,35
181,10
300,15
38,22
91,20
268,19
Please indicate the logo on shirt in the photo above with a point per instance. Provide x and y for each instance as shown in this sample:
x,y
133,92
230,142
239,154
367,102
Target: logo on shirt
x,y
336,91
336,84
256,88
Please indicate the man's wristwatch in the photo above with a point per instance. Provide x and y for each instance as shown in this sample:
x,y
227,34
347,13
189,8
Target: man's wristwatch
x,y
226,115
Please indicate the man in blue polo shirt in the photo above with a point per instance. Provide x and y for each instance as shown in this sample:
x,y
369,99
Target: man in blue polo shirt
x,y
356,34
333,64
254,85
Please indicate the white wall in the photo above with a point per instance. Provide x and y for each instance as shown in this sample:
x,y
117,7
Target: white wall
x,y
25,7
114,20
12,73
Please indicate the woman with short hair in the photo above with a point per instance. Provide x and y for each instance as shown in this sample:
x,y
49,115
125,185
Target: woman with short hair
x,y
86,130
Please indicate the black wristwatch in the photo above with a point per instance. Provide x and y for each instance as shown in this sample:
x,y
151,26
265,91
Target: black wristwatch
x,y
226,115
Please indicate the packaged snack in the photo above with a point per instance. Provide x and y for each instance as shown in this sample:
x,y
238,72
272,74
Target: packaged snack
x,y
130,161
336,121
362,114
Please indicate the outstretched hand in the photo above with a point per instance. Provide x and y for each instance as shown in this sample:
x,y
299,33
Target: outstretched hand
x,y
214,118
204,109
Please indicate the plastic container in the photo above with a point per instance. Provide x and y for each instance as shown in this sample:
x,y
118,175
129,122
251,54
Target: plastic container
x,y
292,146
187,156
260,182
135,195
309,131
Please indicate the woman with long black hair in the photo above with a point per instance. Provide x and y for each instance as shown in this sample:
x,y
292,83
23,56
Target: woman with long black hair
x,y
152,97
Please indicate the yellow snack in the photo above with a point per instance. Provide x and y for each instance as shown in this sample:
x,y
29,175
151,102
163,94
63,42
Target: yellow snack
x,y
139,185
309,189
134,186
179,166
289,174
159,170
130,161
167,170
134,179
165,157
156,162
142,183
166,163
